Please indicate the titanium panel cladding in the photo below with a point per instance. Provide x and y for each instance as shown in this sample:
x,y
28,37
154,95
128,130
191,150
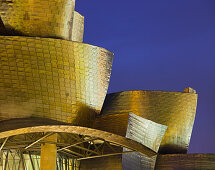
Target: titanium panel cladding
x,y
145,131
46,18
52,78
105,163
134,127
136,161
186,161
77,27
173,109
128,161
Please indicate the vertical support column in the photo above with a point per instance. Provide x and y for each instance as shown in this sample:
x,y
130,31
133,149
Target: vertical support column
x,y
49,154
1,160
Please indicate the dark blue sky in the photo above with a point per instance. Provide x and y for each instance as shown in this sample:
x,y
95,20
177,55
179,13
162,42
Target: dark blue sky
x,y
160,45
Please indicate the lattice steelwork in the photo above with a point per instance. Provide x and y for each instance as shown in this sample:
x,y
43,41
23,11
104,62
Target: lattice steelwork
x,y
173,109
13,159
73,144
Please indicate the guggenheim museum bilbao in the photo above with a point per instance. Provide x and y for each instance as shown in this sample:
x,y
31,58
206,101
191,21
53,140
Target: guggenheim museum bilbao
x,y
54,111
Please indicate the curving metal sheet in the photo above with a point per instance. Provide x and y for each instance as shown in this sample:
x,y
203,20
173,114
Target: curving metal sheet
x,y
133,127
186,161
136,161
77,27
173,109
145,131
127,161
52,78
46,18
105,163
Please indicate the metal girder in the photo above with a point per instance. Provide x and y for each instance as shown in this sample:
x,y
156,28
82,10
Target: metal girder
x,y
32,164
74,152
22,161
3,143
84,131
99,156
69,146
47,135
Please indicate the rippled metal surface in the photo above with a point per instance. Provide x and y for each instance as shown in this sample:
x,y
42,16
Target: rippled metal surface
x,y
173,109
77,27
127,161
46,18
186,161
52,78
145,131
136,161
133,127
106,163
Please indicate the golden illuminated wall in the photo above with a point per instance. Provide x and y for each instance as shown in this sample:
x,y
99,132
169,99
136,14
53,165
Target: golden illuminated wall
x,y
134,127
52,78
51,81
131,161
186,161
77,27
173,109
106,163
41,18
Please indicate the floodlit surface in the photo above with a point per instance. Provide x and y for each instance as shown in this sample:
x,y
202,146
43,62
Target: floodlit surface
x,y
173,109
51,78
46,18
133,127
186,161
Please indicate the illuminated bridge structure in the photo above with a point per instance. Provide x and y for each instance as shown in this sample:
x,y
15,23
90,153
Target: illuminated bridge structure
x,y
54,111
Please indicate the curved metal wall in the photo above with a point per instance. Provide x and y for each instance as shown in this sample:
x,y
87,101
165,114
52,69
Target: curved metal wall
x,y
46,18
105,163
52,78
144,131
134,127
173,109
77,30
136,161
186,161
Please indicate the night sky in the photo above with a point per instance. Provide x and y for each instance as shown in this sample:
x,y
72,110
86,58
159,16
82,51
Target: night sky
x,y
160,45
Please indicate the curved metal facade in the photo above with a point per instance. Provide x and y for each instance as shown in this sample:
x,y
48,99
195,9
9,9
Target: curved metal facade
x,y
173,109
52,78
77,30
46,18
186,161
52,88
133,127
128,161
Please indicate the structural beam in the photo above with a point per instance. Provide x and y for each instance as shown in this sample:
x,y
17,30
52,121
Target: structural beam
x,y
99,156
3,143
47,135
69,146
48,155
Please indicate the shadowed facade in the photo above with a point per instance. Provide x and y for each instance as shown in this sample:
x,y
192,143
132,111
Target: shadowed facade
x,y
186,161
53,87
174,109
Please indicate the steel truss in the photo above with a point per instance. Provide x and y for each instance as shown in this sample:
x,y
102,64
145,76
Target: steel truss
x,y
22,152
